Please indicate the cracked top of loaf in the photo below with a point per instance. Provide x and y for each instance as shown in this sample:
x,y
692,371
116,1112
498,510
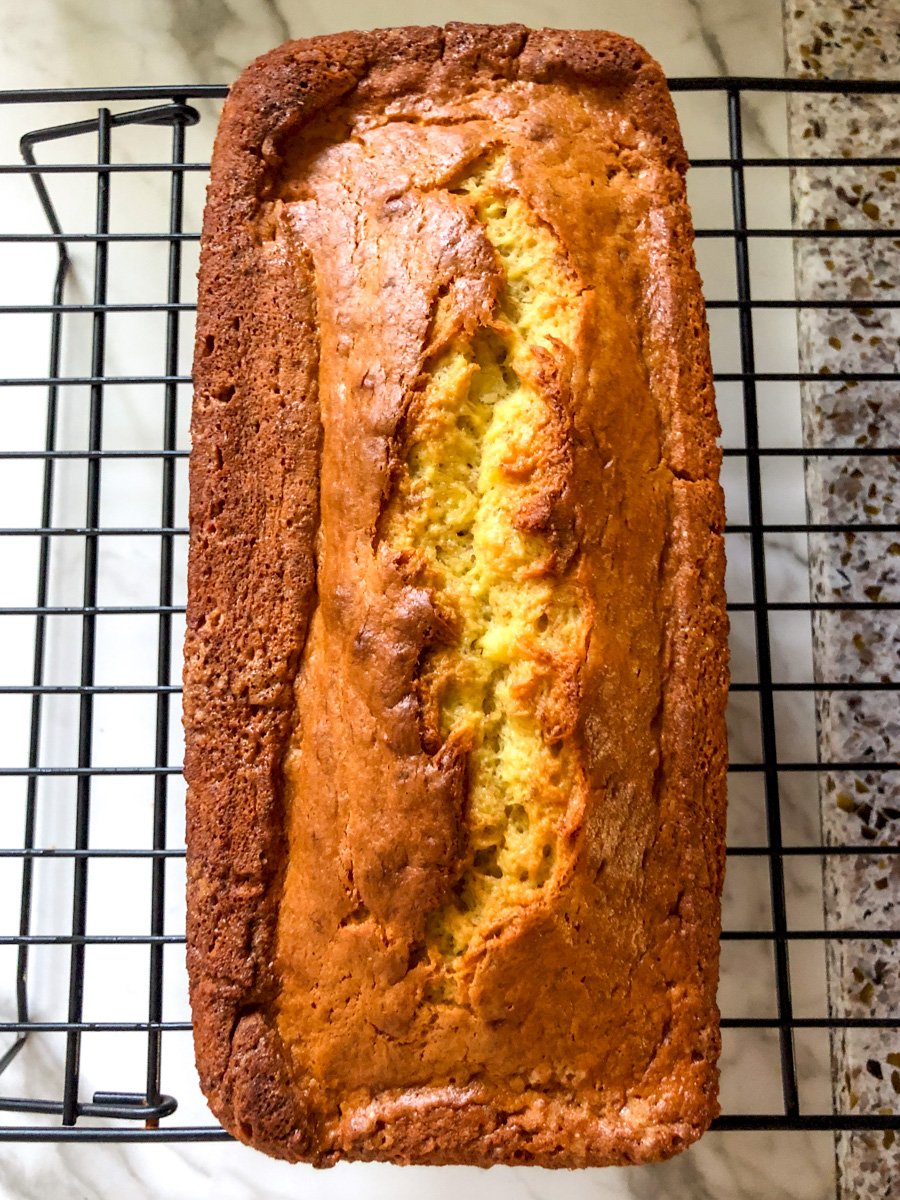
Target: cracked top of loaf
x,y
455,662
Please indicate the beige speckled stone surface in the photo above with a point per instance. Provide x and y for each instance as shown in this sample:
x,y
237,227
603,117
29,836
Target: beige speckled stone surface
x,y
858,40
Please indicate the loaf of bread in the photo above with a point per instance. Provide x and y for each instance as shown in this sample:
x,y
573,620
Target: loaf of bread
x,y
456,650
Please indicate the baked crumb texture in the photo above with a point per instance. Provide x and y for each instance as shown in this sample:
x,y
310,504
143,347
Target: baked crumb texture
x,y
456,654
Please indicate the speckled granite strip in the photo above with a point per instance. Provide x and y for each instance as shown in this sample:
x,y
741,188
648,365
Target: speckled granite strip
x,y
860,40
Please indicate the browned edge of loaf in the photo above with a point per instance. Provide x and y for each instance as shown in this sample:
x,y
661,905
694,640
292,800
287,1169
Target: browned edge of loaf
x,y
250,596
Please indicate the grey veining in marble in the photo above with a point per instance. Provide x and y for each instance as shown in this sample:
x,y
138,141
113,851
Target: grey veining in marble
x,y
854,40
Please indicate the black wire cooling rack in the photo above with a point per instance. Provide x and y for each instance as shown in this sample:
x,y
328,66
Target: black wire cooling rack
x,y
92,777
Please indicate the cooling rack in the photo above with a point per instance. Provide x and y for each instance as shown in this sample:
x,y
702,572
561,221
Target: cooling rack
x,y
93,830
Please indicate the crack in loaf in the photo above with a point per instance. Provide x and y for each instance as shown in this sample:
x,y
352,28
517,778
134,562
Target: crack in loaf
x,y
480,444
466,646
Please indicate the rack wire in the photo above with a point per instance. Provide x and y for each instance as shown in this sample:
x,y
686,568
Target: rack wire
x,y
63,798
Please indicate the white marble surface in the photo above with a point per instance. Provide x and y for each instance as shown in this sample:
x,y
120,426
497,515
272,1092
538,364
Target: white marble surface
x,y
79,42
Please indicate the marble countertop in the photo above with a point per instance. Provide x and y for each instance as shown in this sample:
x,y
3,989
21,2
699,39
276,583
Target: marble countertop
x,y
69,43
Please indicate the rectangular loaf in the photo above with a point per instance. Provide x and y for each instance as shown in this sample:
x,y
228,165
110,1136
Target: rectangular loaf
x,y
455,664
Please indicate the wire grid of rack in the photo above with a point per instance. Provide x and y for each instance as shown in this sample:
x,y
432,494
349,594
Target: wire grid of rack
x,y
88,782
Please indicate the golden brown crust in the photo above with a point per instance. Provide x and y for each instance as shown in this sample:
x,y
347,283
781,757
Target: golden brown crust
x,y
612,982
